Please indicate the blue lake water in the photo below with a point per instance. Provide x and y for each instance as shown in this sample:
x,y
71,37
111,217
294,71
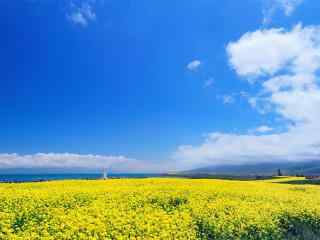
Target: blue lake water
x,y
49,177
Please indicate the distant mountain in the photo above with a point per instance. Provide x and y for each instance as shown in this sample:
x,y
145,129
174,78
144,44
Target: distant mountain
x,y
311,167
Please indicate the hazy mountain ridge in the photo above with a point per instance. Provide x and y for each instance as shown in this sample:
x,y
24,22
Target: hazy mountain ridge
x,y
311,167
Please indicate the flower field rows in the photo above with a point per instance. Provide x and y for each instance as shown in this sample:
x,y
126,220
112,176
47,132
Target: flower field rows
x,y
159,209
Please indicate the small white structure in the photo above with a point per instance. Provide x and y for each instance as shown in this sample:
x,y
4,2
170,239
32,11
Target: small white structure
x,y
104,176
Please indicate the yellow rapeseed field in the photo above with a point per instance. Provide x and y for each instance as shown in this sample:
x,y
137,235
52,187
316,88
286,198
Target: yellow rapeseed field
x,y
159,208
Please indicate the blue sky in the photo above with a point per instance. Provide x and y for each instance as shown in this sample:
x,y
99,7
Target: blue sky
x,y
150,85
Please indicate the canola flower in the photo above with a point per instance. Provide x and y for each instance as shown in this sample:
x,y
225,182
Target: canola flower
x,y
159,209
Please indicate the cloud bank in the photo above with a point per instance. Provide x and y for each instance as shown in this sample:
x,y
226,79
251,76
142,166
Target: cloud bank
x,y
285,66
60,160
82,162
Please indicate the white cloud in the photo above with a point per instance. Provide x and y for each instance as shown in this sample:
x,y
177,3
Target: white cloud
x,y
289,5
80,161
263,129
60,160
81,15
272,6
265,52
285,65
223,148
228,99
194,65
